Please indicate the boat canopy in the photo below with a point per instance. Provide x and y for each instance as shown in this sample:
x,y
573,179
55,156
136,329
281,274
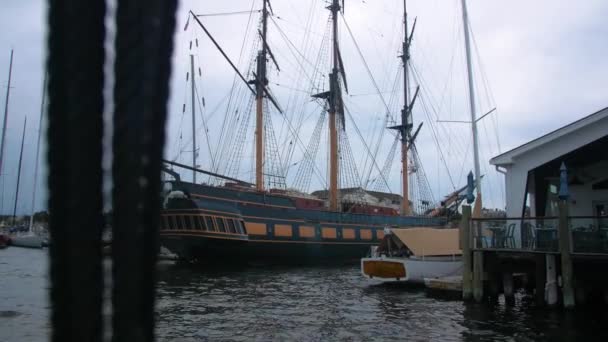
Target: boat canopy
x,y
425,241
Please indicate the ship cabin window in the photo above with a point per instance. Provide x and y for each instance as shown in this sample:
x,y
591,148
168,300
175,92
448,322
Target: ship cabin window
x,y
221,224
240,228
188,224
210,224
189,220
197,222
201,220
171,221
231,226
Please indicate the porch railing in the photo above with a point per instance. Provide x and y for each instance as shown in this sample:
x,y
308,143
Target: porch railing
x,y
587,234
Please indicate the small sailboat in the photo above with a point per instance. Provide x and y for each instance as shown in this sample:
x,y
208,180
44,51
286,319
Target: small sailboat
x,y
29,239
5,241
413,255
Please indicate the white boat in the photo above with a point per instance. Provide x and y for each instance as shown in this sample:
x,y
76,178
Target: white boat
x,y
29,240
414,254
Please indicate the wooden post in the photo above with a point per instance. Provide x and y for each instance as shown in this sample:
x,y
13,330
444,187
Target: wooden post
x,y
541,279
508,288
564,249
551,285
478,275
465,243
580,293
493,278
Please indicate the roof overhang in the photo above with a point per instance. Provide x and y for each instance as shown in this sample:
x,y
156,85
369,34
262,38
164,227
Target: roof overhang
x,y
509,157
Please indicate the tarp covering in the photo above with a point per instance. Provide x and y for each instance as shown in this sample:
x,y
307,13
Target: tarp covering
x,y
422,241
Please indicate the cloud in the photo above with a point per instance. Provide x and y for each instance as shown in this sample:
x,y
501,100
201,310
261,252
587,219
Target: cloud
x,y
543,62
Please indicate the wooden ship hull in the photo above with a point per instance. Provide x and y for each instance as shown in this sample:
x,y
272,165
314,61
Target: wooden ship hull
x,y
216,224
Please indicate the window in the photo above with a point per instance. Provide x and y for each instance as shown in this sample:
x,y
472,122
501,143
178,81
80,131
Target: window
x,y
210,225
220,224
231,226
198,224
204,226
241,229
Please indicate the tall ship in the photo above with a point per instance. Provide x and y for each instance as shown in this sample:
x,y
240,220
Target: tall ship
x,y
224,218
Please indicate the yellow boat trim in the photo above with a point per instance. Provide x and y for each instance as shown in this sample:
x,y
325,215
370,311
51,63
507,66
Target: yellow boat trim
x,y
384,269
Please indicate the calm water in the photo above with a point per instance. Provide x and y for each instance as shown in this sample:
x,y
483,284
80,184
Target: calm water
x,y
310,304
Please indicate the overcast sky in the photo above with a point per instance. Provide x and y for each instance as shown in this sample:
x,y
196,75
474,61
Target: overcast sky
x,y
542,63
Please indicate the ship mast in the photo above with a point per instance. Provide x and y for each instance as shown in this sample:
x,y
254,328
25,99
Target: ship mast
x,y
19,173
405,129
335,106
42,103
261,83
8,92
193,118
261,91
406,126
465,19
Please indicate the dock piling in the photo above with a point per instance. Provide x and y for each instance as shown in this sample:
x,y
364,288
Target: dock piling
x,y
540,279
465,241
508,288
478,276
551,284
566,259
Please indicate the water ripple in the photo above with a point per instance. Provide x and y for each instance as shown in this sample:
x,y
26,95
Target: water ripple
x,y
299,304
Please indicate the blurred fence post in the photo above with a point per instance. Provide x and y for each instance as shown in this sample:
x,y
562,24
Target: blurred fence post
x,y
144,44
76,34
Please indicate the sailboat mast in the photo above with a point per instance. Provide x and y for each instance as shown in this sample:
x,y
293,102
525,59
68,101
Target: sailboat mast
x,y
8,93
261,83
42,102
193,118
465,19
334,95
19,173
405,124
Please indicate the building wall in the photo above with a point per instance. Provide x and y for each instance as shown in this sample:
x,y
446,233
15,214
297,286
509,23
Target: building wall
x,y
582,198
515,189
517,172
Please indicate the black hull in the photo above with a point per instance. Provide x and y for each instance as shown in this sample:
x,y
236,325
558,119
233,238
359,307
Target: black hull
x,y
213,251
219,225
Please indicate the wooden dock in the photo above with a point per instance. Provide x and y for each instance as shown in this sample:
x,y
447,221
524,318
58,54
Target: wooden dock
x,y
449,284
557,266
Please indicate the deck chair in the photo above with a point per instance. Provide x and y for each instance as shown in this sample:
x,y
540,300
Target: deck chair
x,y
529,236
509,238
